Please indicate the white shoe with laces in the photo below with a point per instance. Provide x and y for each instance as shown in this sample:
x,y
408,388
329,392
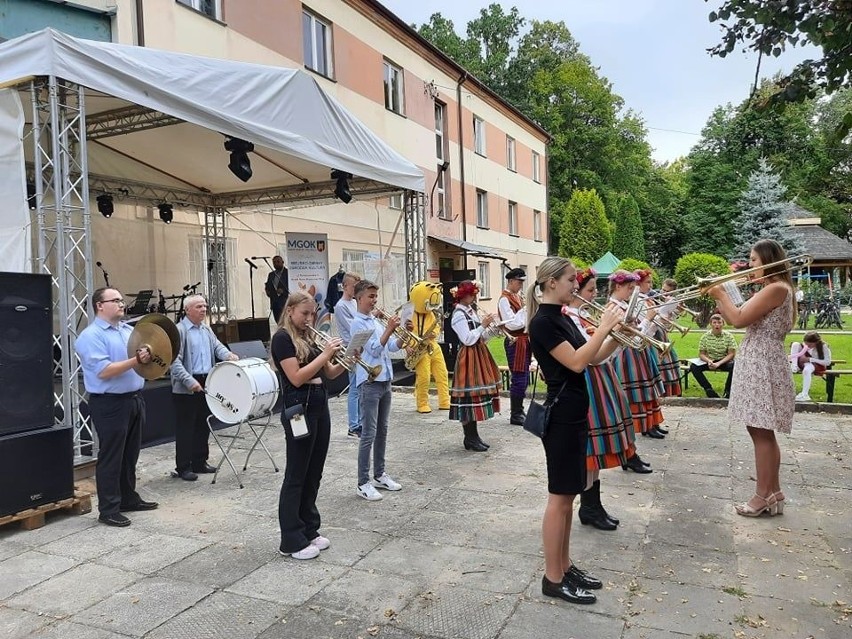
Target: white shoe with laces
x,y
369,492
801,397
308,552
386,482
320,542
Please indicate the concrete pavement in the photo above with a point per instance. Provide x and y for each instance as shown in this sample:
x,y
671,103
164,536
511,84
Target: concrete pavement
x,y
457,553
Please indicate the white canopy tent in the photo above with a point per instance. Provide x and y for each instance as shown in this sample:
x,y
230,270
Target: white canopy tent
x,y
149,126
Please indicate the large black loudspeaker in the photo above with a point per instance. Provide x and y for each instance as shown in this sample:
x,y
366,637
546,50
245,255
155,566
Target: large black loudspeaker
x,y
253,329
26,352
36,468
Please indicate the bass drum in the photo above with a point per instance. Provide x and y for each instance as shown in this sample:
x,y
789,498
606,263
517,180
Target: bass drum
x,y
241,390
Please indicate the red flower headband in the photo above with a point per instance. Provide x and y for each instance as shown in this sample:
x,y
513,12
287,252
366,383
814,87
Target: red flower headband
x,y
642,274
623,277
464,289
585,275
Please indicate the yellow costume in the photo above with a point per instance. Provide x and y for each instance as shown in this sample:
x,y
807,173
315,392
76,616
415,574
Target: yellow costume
x,y
427,300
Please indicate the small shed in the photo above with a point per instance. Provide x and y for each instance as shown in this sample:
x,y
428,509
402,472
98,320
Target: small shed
x,y
832,254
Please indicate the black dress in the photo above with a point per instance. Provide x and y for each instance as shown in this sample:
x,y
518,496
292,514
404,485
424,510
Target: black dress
x,y
566,442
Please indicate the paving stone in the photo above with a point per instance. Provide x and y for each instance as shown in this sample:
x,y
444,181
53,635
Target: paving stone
x,y
58,524
221,616
140,607
94,541
368,595
697,566
68,630
766,617
73,590
288,581
15,624
541,619
29,568
152,553
219,565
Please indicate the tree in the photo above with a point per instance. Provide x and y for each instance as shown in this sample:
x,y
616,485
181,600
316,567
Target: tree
x,y
662,204
442,33
585,231
693,266
628,238
768,27
763,213
494,32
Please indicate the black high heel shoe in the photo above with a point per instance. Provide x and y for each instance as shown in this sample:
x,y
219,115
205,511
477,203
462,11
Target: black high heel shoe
x,y
636,466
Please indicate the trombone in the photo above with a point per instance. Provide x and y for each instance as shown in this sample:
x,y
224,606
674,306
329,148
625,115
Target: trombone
x,y
740,278
626,335
322,339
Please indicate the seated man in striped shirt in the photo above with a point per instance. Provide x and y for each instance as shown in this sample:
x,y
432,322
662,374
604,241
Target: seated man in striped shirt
x,y
716,352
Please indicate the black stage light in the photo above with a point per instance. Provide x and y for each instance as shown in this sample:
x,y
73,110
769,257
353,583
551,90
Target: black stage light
x,y
239,164
341,189
105,205
166,212
31,196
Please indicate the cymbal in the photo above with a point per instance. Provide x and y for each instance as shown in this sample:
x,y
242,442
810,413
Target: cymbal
x,y
160,336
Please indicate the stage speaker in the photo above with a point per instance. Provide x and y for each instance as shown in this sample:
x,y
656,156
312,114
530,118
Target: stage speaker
x,y
26,352
36,467
253,329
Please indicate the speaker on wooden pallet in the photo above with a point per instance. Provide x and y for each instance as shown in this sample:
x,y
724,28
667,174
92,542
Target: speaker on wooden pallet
x,y
36,467
26,352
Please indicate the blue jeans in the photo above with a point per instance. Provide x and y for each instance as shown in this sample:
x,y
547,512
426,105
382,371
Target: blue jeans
x,y
352,404
375,413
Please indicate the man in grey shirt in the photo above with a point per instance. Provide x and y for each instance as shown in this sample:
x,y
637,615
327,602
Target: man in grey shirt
x,y
344,313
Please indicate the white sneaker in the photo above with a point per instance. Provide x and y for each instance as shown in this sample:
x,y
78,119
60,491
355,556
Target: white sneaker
x,y
386,482
308,552
321,543
794,368
369,492
801,397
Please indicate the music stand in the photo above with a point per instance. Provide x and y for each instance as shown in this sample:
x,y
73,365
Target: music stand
x,y
140,303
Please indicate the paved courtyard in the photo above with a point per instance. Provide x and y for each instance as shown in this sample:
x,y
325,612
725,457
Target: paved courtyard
x,y
456,553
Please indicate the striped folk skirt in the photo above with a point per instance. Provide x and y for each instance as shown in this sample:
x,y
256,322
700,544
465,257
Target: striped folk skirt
x,y
670,372
634,369
611,435
653,357
475,395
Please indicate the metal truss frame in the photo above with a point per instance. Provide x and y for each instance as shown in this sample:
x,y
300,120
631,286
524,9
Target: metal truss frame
x,y
59,171
64,239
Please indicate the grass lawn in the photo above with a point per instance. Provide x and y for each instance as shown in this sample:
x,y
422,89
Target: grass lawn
x,y
687,347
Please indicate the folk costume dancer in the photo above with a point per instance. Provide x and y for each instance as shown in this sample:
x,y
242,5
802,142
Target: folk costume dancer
x,y
650,328
669,361
611,436
637,377
513,315
475,395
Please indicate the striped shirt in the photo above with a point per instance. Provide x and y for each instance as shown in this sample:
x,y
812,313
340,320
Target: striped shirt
x,y
717,346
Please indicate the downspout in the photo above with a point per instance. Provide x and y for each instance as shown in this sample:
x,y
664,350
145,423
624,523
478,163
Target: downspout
x,y
462,79
140,25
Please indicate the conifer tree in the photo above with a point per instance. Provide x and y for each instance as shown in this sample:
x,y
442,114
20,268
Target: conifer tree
x,y
585,231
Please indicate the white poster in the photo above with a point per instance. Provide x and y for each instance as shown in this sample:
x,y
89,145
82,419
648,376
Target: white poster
x,y
307,262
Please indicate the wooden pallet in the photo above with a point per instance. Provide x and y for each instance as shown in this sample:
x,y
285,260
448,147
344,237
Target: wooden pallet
x,y
32,518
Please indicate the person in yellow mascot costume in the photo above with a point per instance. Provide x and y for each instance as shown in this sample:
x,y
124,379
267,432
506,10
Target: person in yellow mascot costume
x,y
427,301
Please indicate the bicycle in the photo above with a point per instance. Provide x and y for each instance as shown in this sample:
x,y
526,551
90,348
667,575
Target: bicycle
x,y
828,315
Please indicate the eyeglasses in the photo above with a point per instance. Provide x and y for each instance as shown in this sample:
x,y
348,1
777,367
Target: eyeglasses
x,y
117,300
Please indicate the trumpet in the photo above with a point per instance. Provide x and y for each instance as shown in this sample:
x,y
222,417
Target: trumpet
x,y
627,335
322,339
740,278
481,314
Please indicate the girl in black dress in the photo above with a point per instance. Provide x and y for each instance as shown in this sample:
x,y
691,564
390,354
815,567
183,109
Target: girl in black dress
x,y
563,354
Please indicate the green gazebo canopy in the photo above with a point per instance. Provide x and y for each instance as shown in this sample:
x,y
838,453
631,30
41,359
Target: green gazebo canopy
x,y
606,264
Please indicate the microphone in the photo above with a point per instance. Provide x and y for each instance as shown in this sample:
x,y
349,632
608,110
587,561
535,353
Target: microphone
x,y
99,265
250,263
260,257
189,286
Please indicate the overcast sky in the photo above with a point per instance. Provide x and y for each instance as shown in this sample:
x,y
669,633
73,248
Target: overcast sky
x,y
652,51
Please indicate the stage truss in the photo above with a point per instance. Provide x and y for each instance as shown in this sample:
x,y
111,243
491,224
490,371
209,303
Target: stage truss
x,y
63,223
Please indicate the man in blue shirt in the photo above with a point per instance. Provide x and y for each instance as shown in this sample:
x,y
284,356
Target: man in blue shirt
x,y
199,351
116,406
344,313
375,395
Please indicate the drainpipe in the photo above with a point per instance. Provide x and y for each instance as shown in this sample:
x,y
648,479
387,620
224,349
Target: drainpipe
x,y
140,25
462,79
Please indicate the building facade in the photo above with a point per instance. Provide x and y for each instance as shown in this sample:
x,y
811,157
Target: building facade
x,y
485,163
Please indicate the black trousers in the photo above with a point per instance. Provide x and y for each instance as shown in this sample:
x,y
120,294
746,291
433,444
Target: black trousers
x,y
118,421
298,515
701,378
191,433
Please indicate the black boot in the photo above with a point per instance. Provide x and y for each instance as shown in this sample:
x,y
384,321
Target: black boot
x,y
471,438
603,510
591,512
635,464
660,429
517,415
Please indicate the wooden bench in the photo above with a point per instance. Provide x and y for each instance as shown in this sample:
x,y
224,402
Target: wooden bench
x,y
831,376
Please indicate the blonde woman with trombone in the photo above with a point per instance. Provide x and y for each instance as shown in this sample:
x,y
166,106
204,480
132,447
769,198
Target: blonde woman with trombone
x,y
563,355
762,391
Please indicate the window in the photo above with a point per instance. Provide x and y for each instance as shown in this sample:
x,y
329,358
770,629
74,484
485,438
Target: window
x,y
537,226
479,135
316,43
484,276
441,206
482,209
513,218
536,167
209,8
393,88
395,201
510,154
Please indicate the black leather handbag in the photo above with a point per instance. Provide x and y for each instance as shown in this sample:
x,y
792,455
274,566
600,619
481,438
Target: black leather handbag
x,y
538,415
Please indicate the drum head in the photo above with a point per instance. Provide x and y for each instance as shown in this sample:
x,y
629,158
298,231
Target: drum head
x,y
237,391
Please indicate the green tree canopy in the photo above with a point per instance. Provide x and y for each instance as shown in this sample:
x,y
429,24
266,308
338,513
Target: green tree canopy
x,y
585,233
628,239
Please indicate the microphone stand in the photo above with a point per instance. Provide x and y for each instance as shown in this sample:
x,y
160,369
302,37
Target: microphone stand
x,y
251,285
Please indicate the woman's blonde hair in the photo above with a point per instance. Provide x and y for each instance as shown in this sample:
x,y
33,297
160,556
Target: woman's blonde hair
x,y
551,267
301,340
